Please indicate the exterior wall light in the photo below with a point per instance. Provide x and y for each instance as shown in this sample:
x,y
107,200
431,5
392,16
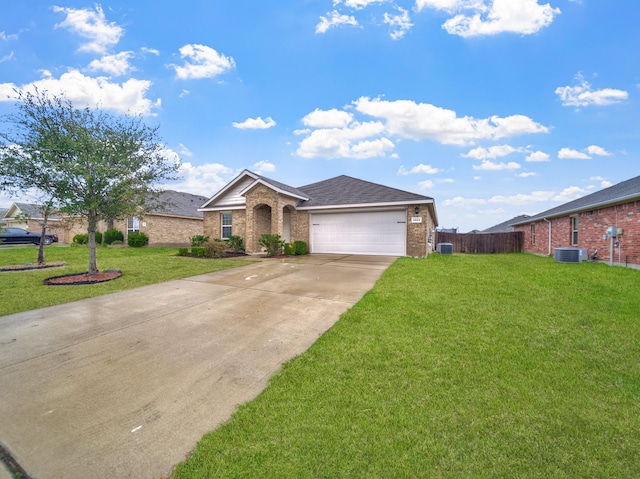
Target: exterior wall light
x,y
417,210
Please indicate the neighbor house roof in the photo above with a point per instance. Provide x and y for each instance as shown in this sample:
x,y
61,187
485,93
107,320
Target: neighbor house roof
x,y
178,203
506,226
30,210
345,190
624,192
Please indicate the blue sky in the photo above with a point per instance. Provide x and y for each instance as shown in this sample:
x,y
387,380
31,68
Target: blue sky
x,y
494,108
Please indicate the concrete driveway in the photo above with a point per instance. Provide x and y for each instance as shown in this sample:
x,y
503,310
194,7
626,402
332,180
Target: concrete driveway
x,y
124,385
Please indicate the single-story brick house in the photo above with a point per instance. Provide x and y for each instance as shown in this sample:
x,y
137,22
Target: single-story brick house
x,y
173,223
583,223
338,215
30,217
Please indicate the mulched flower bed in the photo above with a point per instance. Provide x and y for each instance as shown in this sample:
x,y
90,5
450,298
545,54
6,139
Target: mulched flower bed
x,y
83,278
31,266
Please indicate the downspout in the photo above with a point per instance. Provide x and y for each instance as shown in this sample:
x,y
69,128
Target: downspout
x,y
549,234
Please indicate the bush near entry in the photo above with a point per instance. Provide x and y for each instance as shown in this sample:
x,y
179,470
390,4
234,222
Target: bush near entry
x,y
137,239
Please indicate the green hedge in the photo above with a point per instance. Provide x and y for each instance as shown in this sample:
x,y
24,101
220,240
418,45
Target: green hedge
x,y
137,239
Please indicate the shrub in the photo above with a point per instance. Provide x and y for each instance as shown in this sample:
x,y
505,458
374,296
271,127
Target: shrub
x,y
112,235
198,240
183,251
198,251
300,247
116,243
289,248
215,249
236,244
272,243
82,238
137,239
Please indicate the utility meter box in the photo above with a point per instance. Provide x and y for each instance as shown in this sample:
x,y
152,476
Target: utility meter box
x,y
612,232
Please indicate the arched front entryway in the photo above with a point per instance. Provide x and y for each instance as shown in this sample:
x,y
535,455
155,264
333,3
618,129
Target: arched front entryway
x,y
261,223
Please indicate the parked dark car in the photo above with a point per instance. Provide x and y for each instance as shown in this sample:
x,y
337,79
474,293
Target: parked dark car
x,y
21,236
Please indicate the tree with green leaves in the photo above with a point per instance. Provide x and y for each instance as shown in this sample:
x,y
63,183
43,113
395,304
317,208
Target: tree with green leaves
x,y
93,164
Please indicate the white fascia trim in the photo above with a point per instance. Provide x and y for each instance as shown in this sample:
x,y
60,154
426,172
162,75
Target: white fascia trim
x,y
272,187
397,204
228,186
224,208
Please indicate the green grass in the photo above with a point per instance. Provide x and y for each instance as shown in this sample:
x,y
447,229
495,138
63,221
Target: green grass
x,y
454,367
24,290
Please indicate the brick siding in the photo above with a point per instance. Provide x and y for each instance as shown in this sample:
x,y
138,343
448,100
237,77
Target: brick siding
x,y
592,226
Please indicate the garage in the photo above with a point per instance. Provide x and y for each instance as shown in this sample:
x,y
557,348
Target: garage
x,y
371,232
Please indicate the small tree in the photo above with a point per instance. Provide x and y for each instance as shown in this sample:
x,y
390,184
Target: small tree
x,y
93,164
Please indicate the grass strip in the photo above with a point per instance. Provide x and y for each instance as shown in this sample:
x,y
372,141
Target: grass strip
x,y
24,290
454,366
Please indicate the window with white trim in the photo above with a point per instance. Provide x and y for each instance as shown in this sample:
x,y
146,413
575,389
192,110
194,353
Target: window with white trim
x,y
533,233
574,230
133,224
226,220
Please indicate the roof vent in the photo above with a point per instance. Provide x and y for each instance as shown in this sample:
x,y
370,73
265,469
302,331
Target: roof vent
x,y
570,255
444,248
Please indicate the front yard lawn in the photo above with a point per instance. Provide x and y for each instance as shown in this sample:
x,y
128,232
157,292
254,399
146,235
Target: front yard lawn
x,y
23,290
454,367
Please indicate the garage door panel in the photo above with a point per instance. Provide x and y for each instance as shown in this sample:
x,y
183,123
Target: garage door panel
x,y
378,233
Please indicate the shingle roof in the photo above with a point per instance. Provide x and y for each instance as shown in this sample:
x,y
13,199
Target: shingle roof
x,y
178,203
282,186
33,210
505,227
345,190
628,190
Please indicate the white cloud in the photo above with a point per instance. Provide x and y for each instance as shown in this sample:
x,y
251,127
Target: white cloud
x,y
349,142
448,5
425,185
524,17
597,150
115,65
184,93
91,25
494,212
419,169
526,174
497,151
202,62
537,156
419,121
263,166
446,180
6,38
255,124
334,19
569,194
604,183
487,165
7,57
523,199
460,201
357,4
184,151
327,119
126,97
153,51
569,154
400,24
202,180
582,94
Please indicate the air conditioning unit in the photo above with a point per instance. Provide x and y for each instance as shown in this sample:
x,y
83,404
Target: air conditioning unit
x,y
444,248
570,255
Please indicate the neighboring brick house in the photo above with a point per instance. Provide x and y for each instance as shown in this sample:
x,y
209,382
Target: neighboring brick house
x,y
339,215
583,223
173,223
30,217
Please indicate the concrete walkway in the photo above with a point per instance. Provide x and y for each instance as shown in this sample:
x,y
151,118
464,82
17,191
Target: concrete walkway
x,y
124,385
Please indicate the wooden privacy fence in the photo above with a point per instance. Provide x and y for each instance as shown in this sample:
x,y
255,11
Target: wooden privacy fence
x,y
484,242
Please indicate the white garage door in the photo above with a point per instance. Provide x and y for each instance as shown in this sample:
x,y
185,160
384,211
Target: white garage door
x,y
375,232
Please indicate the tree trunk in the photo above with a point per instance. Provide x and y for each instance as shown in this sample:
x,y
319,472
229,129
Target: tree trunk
x,y
42,237
92,221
